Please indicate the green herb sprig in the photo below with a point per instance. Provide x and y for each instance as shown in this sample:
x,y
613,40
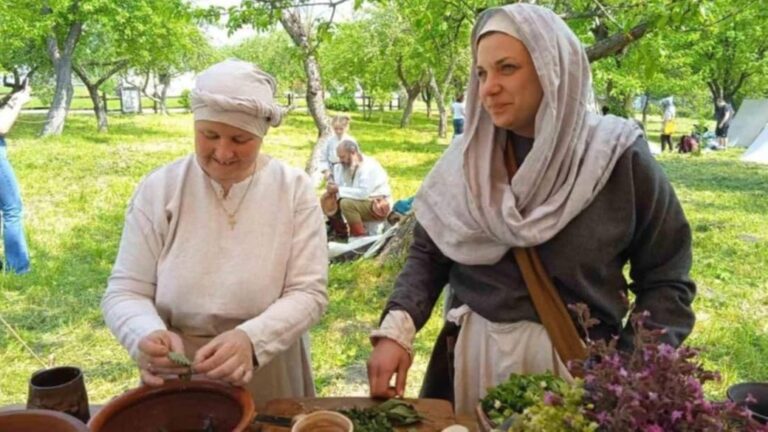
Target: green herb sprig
x,y
384,417
181,360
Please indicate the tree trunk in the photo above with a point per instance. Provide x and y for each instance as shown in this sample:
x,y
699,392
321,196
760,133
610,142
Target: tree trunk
x,y
413,90
413,94
292,24
628,108
99,107
62,64
162,99
62,99
442,123
426,96
646,104
398,246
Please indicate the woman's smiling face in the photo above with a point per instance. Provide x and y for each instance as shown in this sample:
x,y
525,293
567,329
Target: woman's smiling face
x,y
226,153
509,85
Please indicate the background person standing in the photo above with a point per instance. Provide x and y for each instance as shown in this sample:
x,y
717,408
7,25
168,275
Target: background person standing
x,y
458,114
11,209
667,122
723,116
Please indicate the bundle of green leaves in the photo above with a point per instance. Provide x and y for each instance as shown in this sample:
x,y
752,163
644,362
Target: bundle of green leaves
x,y
518,393
383,417
564,412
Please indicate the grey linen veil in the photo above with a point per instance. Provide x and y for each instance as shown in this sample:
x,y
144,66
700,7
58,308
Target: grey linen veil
x,y
473,217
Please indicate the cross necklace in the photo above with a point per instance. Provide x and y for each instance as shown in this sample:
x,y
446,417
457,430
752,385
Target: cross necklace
x,y
232,216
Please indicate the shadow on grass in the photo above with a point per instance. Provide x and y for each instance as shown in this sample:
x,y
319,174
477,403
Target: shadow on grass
x,y
121,128
65,286
717,175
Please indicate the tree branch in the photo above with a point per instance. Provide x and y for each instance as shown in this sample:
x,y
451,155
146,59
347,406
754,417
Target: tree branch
x,y
607,14
106,63
82,75
739,83
115,69
616,43
75,30
400,73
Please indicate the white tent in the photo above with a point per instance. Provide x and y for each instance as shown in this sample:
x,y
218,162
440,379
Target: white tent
x,y
758,151
748,122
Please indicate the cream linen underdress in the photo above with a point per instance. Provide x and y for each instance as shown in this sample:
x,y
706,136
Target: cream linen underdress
x,y
181,267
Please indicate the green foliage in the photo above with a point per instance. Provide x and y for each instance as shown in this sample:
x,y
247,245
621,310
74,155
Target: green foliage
x,y
519,392
563,412
357,56
275,53
732,46
184,99
342,101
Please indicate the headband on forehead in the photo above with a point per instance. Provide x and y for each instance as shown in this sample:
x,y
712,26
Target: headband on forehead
x,y
239,94
496,22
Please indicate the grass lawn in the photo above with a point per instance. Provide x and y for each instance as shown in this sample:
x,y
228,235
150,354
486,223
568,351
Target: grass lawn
x,y
76,188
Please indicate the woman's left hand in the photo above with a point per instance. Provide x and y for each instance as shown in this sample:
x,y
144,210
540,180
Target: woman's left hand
x,y
228,357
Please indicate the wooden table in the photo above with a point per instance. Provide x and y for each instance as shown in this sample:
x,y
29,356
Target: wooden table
x,y
437,413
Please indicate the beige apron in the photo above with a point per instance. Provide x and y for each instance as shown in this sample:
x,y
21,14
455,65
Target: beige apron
x,y
288,375
487,352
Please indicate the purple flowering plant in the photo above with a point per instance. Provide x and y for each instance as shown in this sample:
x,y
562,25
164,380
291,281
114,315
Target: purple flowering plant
x,y
653,388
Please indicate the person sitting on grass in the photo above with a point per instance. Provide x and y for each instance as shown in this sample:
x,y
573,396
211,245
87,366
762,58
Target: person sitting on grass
x,y
357,192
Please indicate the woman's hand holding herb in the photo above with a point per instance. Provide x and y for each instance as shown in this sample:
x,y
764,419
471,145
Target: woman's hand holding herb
x,y
228,357
387,360
153,356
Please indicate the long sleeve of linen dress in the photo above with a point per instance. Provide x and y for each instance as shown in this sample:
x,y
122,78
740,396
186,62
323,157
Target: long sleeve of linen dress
x,y
182,267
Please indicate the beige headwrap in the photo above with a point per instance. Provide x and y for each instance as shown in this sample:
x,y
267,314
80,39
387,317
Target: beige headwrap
x,y
239,94
474,219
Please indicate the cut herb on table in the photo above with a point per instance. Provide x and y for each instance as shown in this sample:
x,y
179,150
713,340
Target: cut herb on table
x,y
384,417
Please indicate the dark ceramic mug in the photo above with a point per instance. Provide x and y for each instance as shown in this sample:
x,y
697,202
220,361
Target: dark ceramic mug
x,y
759,391
59,389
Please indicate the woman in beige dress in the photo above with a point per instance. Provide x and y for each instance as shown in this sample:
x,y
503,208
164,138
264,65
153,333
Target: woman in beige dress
x,y
223,255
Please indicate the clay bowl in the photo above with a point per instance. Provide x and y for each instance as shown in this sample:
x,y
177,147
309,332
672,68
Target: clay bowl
x,y
177,406
36,420
759,391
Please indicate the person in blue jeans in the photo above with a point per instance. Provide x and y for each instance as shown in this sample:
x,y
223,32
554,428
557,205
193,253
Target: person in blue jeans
x,y
11,211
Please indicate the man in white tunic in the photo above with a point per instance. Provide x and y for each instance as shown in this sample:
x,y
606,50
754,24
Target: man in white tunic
x,y
223,255
359,191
